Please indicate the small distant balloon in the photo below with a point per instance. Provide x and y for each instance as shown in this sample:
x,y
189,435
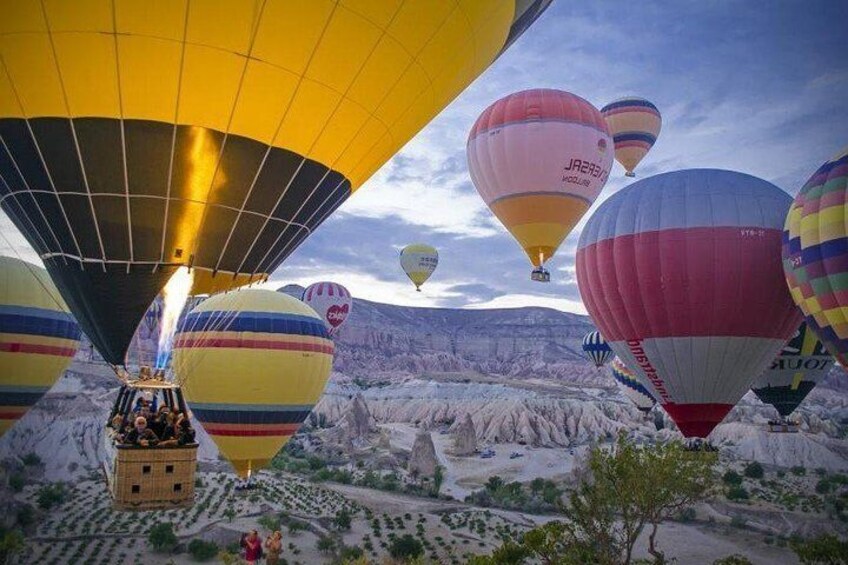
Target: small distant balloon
x,y
596,348
635,124
331,301
419,261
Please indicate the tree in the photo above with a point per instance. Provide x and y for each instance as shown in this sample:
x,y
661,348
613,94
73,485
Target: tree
x,y
51,495
494,483
31,459
202,550
11,544
732,478
754,470
823,550
325,544
162,537
405,547
438,479
26,516
342,519
625,490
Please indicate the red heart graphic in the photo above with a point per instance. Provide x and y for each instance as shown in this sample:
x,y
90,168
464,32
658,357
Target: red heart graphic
x,y
337,314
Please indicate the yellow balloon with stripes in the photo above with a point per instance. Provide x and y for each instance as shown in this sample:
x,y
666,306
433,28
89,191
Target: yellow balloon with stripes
x,y
252,364
419,261
38,338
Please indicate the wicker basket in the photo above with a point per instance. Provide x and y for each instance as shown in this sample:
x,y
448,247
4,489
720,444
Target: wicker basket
x,y
145,478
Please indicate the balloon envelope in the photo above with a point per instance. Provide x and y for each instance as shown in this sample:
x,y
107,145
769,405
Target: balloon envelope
x,y
144,136
38,338
635,124
252,364
596,349
801,365
539,158
331,301
681,274
815,254
419,261
629,384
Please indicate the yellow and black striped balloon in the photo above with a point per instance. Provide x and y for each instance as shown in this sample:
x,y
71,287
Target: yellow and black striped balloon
x,y
137,136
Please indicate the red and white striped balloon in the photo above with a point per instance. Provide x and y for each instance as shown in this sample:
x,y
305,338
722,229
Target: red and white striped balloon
x,y
331,301
681,273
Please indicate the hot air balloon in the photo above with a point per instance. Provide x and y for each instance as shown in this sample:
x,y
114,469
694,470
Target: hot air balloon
x,y
142,137
815,254
635,125
419,261
539,158
596,349
629,384
252,364
801,365
331,301
681,274
38,338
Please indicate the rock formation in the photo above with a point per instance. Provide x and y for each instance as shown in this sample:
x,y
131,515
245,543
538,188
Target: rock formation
x,y
423,460
465,437
357,422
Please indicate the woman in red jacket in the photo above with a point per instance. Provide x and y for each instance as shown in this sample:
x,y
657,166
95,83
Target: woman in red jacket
x,y
252,546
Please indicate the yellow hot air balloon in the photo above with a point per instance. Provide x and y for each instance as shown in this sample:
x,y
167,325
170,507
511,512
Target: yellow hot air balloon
x,y
38,338
419,261
252,364
141,136
539,158
635,124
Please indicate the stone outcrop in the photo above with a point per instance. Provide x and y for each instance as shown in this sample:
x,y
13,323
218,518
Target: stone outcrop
x,y
465,437
357,422
423,460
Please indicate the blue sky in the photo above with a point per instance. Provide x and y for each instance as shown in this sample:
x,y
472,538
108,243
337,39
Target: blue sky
x,y
760,88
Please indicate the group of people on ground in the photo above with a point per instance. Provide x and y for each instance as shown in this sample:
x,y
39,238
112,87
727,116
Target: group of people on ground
x,y
148,426
253,550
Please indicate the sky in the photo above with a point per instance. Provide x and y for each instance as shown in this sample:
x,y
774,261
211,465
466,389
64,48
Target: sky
x,y
760,88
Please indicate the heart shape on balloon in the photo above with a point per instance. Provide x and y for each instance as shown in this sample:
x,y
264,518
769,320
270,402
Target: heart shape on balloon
x,y
337,314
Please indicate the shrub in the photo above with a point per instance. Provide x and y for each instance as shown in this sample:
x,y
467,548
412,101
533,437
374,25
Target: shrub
x,y
798,470
824,486
51,495
31,459
325,544
26,516
405,547
16,482
687,515
754,470
739,522
737,493
732,478
734,559
162,537
342,519
825,550
202,550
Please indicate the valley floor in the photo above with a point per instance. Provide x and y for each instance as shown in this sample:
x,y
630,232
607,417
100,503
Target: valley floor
x,y
86,530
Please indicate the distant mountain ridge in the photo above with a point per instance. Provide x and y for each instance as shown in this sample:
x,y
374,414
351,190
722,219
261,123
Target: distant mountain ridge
x,y
505,341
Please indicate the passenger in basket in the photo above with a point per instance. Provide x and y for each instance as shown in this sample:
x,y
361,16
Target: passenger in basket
x,y
141,434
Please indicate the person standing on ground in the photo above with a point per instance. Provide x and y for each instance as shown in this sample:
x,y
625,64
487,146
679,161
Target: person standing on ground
x,y
274,547
252,548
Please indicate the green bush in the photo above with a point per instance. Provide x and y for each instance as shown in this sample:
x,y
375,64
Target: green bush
x,y
51,495
342,519
737,492
406,547
739,522
823,550
687,515
734,559
201,550
325,544
17,482
26,516
824,486
31,459
162,537
732,478
798,470
754,470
